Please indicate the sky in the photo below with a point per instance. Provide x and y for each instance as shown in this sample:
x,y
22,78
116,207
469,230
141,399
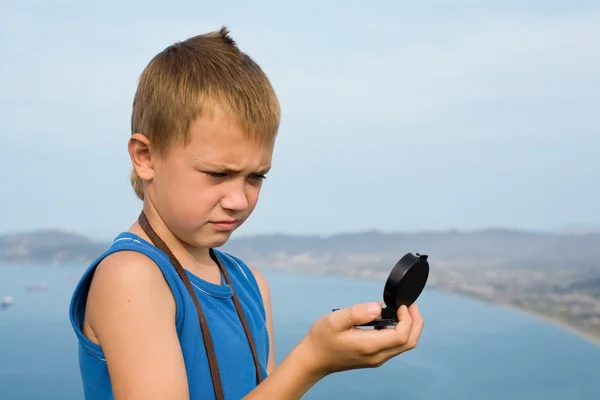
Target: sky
x,y
396,115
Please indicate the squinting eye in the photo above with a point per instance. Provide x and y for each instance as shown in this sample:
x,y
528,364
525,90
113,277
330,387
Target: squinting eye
x,y
258,177
216,174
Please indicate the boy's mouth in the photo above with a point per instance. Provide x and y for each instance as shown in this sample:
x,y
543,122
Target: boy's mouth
x,y
224,225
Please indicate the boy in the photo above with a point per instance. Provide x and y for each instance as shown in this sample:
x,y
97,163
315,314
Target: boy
x,y
162,314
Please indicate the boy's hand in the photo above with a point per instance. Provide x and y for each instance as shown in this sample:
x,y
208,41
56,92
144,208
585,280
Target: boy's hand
x,y
335,344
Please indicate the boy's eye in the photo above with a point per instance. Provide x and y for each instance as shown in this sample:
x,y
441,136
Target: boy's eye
x,y
220,175
216,174
258,177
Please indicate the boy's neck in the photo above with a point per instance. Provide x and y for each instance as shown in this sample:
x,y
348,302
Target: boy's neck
x,y
191,258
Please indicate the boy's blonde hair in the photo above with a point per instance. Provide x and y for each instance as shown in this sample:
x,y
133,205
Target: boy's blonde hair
x,y
194,78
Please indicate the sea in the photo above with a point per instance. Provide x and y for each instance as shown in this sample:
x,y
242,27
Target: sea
x,y
468,349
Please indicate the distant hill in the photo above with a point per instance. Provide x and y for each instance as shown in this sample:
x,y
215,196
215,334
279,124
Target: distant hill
x,y
48,247
493,248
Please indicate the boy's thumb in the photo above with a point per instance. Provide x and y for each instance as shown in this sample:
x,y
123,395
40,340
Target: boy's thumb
x,y
357,314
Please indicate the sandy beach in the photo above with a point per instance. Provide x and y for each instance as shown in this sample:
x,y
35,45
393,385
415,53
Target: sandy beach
x,y
590,337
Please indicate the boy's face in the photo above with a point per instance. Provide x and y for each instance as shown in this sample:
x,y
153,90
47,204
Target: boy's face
x,y
207,189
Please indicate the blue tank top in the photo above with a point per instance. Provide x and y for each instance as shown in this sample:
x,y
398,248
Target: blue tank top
x,y
234,357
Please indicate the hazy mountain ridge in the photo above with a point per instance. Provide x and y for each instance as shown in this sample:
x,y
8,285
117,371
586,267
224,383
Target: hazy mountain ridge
x,y
49,246
492,248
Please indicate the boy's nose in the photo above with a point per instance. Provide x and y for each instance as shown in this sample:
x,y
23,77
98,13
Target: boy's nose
x,y
235,201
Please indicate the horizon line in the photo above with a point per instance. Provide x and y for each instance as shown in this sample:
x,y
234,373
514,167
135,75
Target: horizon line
x,y
564,231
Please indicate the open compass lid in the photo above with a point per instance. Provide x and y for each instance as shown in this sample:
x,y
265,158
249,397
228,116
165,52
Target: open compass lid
x,y
406,281
403,286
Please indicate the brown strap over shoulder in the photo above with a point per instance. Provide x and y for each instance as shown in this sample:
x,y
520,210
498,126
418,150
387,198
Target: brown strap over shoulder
x,y
206,336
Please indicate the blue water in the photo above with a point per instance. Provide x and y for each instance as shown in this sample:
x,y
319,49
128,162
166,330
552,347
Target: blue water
x,y
469,350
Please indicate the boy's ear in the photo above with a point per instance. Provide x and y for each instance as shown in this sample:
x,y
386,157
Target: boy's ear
x,y
139,152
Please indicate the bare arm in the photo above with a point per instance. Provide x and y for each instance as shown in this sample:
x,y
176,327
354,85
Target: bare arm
x,y
131,312
291,379
266,295
295,375
333,345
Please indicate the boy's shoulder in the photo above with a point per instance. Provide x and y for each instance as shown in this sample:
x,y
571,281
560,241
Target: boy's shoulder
x,y
127,267
126,258
128,272
130,261
121,278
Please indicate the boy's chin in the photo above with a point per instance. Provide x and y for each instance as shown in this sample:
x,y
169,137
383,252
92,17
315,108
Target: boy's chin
x,y
210,238
217,239
218,243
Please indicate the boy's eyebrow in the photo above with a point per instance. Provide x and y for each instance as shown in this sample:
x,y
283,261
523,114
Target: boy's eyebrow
x,y
228,169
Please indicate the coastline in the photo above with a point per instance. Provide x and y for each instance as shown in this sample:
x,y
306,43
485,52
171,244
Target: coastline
x,y
592,338
589,337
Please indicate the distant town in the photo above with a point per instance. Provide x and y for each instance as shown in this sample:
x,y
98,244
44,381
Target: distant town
x,y
554,276
570,296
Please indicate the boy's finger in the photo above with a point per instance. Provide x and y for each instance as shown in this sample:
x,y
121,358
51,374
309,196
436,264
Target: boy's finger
x,y
358,314
416,329
405,323
387,339
410,331
398,341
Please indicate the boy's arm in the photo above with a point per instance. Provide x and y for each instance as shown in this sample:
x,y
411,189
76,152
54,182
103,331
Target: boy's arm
x,y
333,345
295,376
131,312
266,296
291,379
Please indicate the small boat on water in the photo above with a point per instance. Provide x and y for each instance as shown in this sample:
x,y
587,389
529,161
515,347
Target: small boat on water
x,y
6,301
